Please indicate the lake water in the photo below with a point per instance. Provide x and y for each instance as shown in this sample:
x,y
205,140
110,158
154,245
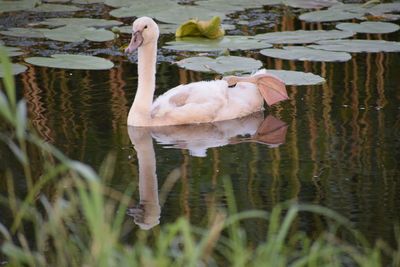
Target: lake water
x,y
335,144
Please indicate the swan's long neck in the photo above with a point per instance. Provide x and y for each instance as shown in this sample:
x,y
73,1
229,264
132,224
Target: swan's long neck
x,y
139,114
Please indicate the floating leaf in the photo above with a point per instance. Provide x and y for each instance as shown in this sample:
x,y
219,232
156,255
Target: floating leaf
x,y
297,77
88,22
357,46
329,15
15,69
314,4
167,12
17,5
11,51
68,61
76,33
164,28
350,11
369,27
302,37
85,2
306,54
23,32
235,5
55,8
126,3
206,45
142,8
223,64
210,29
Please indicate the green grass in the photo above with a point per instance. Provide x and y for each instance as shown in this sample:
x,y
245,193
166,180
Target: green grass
x,y
82,223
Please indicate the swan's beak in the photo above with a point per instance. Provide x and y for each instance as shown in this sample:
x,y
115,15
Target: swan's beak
x,y
136,41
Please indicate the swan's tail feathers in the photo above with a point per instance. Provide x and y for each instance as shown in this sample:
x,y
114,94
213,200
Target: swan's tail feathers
x,y
271,88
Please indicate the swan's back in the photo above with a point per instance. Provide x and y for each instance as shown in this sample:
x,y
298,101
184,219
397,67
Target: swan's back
x,y
206,101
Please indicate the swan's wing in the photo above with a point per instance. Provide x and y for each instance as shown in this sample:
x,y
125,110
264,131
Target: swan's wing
x,y
191,103
271,88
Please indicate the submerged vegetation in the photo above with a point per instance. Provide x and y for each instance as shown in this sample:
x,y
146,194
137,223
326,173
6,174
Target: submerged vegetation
x,y
80,221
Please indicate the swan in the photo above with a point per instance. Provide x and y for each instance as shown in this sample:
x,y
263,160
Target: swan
x,y
198,102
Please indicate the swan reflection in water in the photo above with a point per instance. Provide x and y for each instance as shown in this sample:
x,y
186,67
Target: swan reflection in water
x,y
196,138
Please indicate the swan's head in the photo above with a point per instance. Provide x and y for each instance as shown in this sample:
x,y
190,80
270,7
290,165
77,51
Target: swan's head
x,y
144,32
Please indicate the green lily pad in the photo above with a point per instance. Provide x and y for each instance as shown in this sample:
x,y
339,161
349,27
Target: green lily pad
x,y
350,11
369,27
11,51
228,7
126,3
15,69
306,54
358,46
88,22
163,27
141,8
302,37
210,29
68,61
55,8
17,5
87,2
290,77
57,1
329,15
314,4
167,12
197,44
76,33
23,32
223,64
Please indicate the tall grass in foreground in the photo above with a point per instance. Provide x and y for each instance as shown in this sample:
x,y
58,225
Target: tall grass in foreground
x,y
82,223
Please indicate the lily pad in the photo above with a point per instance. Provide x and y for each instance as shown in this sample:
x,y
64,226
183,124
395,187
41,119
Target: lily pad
x,y
290,77
306,54
197,44
87,2
235,5
358,46
68,61
23,32
17,5
210,29
223,64
55,8
126,3
168,12
11,51
88,22
141,8
15,69
76,33
302,37
329,15
369,27
314,4
350,11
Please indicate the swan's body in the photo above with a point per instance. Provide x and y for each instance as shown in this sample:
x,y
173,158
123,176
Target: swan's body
x,y
199,102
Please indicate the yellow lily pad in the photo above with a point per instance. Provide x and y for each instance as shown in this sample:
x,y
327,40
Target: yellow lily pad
x,y
211,29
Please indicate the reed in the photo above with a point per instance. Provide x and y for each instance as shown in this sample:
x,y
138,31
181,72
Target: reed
x,y
82,222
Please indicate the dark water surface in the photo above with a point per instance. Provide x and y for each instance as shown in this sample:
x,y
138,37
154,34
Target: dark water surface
x,y
340,147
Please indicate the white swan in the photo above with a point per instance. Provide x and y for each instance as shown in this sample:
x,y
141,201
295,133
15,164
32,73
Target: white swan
x,y
199,102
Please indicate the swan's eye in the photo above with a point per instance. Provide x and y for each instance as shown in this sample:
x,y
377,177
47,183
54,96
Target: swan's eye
x,y
145,27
